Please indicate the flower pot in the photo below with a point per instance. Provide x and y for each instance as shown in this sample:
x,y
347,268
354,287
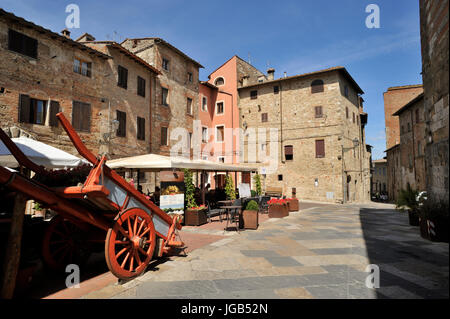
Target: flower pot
x,y
413,218
278,210
249,219
195,217
293,205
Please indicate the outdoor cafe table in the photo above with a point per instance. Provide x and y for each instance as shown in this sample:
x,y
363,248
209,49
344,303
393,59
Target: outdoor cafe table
x,y
229,209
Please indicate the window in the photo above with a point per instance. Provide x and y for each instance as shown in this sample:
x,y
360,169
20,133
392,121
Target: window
x,y
205,136
165,64
81,116
402,129
82,67
221,159
165,97
276,89
190,77
320,148
353,117
318,112
346,91
141,128
219,81
164,139
317,86
189,140
280,177
122,118
220,108
254,94
346,112
123,77
409,127
264,117
22,44
204,104
220,130
288,152
32,110
141,86
189,106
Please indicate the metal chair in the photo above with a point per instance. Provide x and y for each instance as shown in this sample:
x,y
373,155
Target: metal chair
x,y
263,206
212,212
234,216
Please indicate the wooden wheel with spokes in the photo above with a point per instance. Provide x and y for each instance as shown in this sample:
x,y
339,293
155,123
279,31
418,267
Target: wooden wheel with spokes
x,y
130,243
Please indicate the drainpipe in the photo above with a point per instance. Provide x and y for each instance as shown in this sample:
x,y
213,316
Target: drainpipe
x,y
413,150
232,124
281,125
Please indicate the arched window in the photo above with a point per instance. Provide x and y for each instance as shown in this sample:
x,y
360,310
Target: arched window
x,y
316,86
219,81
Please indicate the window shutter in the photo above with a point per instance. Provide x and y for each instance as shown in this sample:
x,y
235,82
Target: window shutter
x,y
318,110
54,109
320,148
24,108
122,118
86,117
288,150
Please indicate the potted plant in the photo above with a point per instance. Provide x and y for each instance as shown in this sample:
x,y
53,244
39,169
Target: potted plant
x,y
278,208
293,204
229,188
434,220
249,217
408,200
194,215
38,210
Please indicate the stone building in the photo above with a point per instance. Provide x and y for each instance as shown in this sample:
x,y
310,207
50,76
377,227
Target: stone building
x,y
395,98
394,171
434,26
379,177
306,133
176,93
412,145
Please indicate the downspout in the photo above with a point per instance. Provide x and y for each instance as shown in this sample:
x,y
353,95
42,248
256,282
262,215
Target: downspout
x,y
413,149
281,125
232,125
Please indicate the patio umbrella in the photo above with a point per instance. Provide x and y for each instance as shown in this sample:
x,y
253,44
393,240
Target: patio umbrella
x,y
39,153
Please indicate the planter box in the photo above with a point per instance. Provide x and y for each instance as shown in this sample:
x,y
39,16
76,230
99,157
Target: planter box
x,y
249,219
293,205
195,217
278,211
413,218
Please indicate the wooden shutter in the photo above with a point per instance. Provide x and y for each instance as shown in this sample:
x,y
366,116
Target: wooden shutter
x,y
318,111
164,136
289,150
54,109
140,128
317,86
264,117
122,118
254,95
24,108
320,148
86,117
346,112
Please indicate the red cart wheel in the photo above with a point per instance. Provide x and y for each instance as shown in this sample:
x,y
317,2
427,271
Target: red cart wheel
x,y
130,243
63,244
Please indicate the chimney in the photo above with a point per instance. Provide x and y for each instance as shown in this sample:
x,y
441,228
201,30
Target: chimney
x,y
66,33
245,80
285,74
270,74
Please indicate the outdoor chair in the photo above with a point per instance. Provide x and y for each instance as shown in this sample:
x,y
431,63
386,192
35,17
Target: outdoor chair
x,y
234,215
263,206
212,212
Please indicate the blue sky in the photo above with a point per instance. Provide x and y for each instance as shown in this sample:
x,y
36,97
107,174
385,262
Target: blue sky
x,y
291,36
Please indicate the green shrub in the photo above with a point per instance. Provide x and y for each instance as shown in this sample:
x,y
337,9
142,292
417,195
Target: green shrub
x,y
407,199
190,189
229,188
252,205
257,180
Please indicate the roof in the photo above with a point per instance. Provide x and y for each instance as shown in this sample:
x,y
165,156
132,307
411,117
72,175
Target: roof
x,y
338,68
205,83
159,40
51,34
409,104
127,53
391,148
402,87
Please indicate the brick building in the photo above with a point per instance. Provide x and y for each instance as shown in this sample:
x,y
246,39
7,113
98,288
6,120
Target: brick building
x,y
434,26
318,122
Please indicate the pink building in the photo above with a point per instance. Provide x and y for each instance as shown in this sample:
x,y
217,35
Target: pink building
x,y
219,114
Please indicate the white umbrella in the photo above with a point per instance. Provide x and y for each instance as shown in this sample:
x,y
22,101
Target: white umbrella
x,y
39,153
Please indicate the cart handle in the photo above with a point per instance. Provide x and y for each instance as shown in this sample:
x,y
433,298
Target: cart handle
x,y
20,157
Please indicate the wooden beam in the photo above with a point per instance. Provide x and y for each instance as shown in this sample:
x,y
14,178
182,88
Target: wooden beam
x,y
12,256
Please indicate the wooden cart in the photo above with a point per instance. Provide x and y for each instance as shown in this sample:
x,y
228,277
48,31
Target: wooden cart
x,y
136,229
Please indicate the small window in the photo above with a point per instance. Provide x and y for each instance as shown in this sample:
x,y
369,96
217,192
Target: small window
x,y
205,136
320,148
280,177
164,139
82,67
123,77
165,64
220,108
318,112
409,127
264,117
317,86
22,44
417,116
204,104
220,130
276,89
165,97
346,112
32,111
81,116
190,77
221,159
141,128
122,118
189,140
353,117
346,91
219,81
254,94
189,110
289,152
140,86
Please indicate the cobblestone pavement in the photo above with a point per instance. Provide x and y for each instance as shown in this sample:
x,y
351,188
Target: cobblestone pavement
x,y
316,253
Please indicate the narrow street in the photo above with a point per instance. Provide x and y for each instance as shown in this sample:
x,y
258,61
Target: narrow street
x,y
319,252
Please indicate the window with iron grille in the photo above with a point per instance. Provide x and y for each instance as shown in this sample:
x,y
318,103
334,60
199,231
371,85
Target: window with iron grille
x,y
22,44
122,118
122,77
141,86
189,106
